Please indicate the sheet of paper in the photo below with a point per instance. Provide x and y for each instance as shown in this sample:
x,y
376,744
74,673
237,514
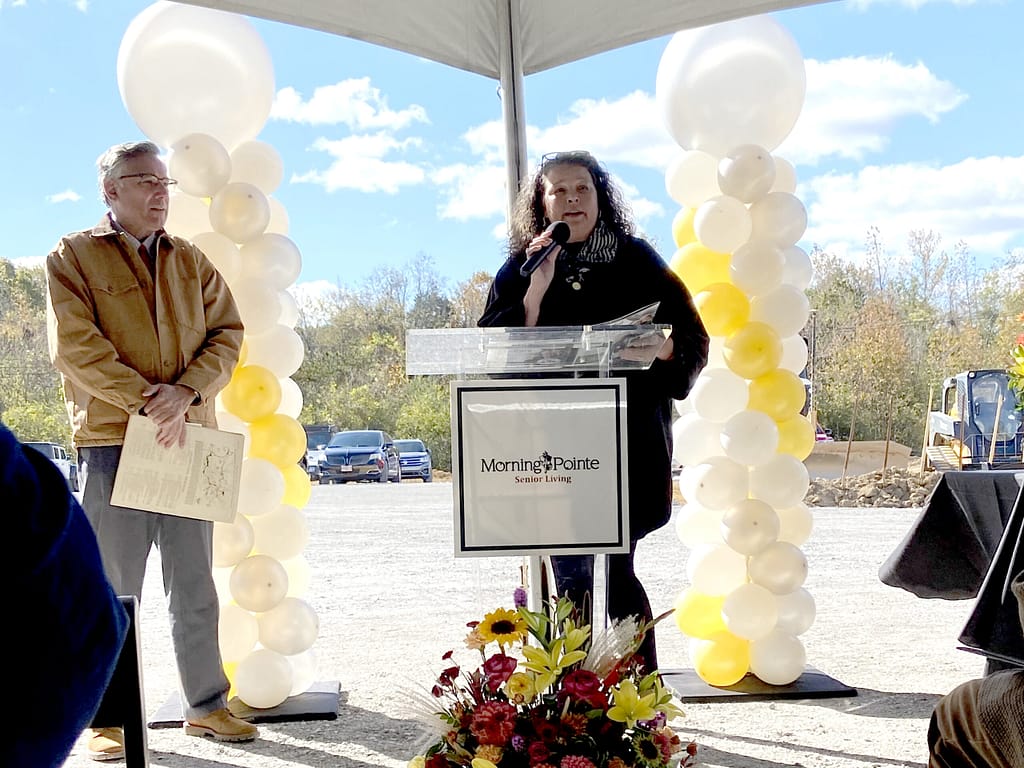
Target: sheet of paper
x,y
199,481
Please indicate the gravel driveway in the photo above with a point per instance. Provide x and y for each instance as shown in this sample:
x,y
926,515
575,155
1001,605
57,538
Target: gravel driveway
x,y
391,599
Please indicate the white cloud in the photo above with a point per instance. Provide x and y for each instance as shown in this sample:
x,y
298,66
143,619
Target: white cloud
x,y
360,162
355,103
471,191
977,200
68,195
852,104
29,261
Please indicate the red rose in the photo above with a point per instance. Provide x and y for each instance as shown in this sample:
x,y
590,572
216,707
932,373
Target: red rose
x,y
584,686
499,668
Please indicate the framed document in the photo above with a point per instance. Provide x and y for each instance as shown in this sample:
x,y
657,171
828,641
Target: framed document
x,y
539,466
199,480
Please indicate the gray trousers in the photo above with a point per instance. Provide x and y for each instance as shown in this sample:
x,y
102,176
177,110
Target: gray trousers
x,y
125,537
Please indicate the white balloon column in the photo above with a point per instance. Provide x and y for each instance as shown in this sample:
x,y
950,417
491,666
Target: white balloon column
x,y
729,94
200,82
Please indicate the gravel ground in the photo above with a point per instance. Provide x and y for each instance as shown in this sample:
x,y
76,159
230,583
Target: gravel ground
x,y
391,599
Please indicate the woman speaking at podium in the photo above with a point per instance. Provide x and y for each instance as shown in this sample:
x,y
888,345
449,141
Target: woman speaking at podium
x,y
597,271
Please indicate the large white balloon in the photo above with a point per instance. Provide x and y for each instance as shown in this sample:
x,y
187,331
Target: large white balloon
x,y
300,576
289,310
795,524
263,679
716,483
716,569
779,568
747,172
257,163
794,354
261,488
697,525
291,398
781,482
718,394
796,611
303,671
798,270
237,632
786,309
259,304
695,439
258,583
289,627
722,223
240,211
750,526
750,438
750,612
222,253
200,164
187,216
279,349
723,85
273,257
282,533
778,658
232,541
778,217
757,266
691,178
279,221
785,176
184,69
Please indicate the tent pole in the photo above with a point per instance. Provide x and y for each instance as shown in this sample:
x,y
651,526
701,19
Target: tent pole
x,y
512,107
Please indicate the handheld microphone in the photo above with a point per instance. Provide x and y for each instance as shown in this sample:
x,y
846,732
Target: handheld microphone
x,y
559,233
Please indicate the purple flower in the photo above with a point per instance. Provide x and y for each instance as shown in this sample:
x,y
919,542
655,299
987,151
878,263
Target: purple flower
x,y
518,742
519,597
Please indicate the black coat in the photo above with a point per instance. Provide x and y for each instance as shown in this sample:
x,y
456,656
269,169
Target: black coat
x,y
636,277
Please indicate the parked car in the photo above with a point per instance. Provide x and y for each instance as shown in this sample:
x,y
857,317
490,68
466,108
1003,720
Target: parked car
x,y
317,438
59,456
414,457
360,454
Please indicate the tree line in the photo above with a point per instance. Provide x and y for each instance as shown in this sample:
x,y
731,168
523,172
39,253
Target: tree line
x,y
882,336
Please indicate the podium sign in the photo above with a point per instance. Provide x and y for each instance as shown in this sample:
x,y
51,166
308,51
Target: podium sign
x,y
539,466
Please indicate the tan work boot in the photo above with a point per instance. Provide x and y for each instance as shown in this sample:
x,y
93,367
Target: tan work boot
x,y
221,725
106,744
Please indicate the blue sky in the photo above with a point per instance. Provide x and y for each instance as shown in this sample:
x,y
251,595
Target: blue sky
x,y
912,120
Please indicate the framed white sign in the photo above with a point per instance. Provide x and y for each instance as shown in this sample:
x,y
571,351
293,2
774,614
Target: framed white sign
x,y
539,467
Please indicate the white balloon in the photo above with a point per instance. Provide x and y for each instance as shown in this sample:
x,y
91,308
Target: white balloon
x,y
716,569
299,576
779,568
259,305
738,82
222,583
718,394
291,398
237,632
684,406
258,583
796,611
261,487
750,526
279,349
794,354
263,679
289,310
232,541
716,353
786,309
257,163
778,659
785,176
692,178
279,222
797,270
750,612
747,172
781,482
240,211
795,524
717,482
282,533
778,217
289,627
722,223
750,438
228,422
222,253
184,69
304,667
273,258
696,525
200,164
695,439
187,216
757,266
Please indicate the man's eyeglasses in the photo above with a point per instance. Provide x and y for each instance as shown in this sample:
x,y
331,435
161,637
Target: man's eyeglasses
x,y
578,156
150,180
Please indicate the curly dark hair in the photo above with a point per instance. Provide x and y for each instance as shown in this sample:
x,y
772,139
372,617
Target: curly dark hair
x,y
528,211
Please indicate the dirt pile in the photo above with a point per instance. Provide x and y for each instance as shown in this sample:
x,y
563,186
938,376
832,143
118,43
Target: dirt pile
x,y
895,487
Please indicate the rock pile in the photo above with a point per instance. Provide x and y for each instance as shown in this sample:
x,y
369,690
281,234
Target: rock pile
x,y
895,487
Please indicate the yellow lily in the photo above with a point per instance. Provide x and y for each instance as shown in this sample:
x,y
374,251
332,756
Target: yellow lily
x,y
629,705
548,664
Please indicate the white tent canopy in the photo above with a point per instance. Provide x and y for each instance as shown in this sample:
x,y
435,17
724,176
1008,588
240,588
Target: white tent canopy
x,y
502,39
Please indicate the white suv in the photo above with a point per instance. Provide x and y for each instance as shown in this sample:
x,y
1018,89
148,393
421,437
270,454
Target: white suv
x,y
59,456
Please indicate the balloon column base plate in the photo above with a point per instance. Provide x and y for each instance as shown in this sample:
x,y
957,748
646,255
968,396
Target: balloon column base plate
x,y
320,702
812,684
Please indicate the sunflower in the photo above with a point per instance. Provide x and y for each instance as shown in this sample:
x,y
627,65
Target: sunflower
x,y
503,627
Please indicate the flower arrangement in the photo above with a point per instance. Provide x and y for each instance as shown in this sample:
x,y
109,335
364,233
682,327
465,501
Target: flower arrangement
x,y
561,702
1016,370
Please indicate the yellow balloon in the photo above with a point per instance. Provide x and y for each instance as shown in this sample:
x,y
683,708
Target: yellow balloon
x,y
252,393
754,350
796,437
297,488
230,667
721,660
779,393
243,353
699,615
698,266
278,438
682,227
723,308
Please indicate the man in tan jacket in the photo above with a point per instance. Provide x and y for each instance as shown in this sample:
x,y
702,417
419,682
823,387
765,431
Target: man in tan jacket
x,y
139,321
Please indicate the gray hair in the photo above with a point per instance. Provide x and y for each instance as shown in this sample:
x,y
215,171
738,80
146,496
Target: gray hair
x,y
109,162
